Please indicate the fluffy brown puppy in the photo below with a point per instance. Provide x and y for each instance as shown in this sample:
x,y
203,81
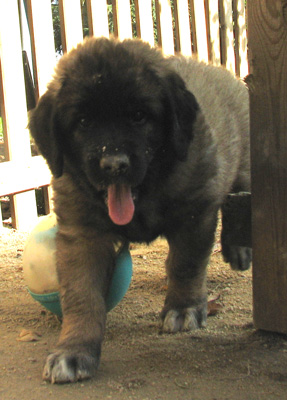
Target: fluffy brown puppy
x,y
139,146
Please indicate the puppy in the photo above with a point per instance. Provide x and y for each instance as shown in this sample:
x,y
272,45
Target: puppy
x,y
139,146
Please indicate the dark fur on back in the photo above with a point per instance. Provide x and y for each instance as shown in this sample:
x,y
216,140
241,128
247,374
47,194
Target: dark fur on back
x,y
139,146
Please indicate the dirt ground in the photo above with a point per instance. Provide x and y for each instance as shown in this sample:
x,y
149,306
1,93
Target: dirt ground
x,y
226,361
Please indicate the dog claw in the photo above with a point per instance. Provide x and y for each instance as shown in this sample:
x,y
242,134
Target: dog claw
x,y
65,366
186,319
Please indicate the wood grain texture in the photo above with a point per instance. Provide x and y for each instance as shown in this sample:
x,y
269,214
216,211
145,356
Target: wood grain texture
x,y
267,31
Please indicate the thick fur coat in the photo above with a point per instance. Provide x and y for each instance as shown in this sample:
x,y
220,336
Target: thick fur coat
x,y
139,146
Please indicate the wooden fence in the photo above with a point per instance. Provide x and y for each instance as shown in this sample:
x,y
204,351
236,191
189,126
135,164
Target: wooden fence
x,y
213,30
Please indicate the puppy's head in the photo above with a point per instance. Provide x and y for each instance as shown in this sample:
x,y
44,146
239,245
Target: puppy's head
x,y
114,112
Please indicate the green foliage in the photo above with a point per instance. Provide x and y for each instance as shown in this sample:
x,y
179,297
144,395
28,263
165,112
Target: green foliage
x,y
57,29
56,26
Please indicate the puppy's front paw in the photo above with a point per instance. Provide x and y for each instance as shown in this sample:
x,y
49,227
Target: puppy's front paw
x,y
66,366
186,319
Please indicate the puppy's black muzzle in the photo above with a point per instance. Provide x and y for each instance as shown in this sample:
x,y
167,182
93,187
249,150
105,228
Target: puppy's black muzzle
x,y
115,165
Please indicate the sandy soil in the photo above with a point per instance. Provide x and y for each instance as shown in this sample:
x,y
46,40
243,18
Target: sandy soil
x,y
227,360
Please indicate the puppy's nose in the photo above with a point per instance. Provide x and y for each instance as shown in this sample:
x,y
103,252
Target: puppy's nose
x,y
115,164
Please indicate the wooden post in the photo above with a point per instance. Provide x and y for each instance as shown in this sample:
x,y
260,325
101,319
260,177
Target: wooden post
x,y
267,34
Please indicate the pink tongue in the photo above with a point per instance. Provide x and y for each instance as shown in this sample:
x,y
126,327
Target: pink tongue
x,y
120,204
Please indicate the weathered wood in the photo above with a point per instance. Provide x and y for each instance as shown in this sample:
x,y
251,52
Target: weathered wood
x,y
267,24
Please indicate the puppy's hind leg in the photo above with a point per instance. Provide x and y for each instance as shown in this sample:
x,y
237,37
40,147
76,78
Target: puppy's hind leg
x,y
236,231
190,245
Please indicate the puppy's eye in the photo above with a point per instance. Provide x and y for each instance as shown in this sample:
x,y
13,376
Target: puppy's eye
x,y
139,117
83,122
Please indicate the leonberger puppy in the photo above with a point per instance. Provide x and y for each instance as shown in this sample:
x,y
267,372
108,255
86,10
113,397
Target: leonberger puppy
x,y
140,146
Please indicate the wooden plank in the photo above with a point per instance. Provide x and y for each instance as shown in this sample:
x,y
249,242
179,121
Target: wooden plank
x,y
267,45
145,21
98,18
184,34
123,16
165,26
201,32
71,23
15,107
227,35
19,177
42,40
215,56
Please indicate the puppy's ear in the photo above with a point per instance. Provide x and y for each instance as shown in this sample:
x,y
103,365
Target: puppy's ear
x,y
183,109
43,125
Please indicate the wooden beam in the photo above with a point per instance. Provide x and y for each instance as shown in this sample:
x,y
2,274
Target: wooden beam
x,y
267,34
19,177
